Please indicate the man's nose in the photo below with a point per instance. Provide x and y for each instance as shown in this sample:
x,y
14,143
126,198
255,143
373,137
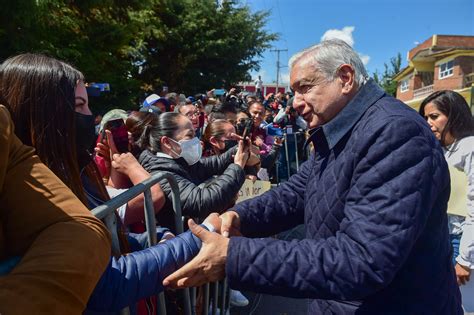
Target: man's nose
x,y
298,102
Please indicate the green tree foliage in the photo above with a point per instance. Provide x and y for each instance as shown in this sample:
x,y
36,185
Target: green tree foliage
x,y
386,80
201,45
140,45
93,35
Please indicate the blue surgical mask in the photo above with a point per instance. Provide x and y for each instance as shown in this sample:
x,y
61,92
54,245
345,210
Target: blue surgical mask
x,y
191,150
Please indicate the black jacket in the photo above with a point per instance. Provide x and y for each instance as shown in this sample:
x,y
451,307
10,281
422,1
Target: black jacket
x,y
200,194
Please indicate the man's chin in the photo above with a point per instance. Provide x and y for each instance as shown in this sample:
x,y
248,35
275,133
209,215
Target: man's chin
x,y
314,123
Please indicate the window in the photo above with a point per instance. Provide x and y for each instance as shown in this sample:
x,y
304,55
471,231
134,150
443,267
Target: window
x,y
404,85
446,69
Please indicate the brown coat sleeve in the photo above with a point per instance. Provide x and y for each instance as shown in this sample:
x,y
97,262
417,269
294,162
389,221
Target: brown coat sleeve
x,y
64,248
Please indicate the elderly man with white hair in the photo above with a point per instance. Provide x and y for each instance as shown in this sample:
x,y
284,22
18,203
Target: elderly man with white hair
x,y
373,197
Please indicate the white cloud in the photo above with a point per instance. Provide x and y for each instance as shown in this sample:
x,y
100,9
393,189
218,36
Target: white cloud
x,y
345,34
365,59
285,77
263,74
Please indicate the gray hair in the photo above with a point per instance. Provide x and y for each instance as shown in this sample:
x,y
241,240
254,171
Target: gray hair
x,y
328,56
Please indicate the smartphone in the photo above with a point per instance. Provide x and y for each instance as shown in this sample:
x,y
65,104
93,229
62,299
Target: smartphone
x,y
119,133
248,129
219,92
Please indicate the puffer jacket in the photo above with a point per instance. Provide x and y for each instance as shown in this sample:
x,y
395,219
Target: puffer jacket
x,y
197,200
140,274
373,197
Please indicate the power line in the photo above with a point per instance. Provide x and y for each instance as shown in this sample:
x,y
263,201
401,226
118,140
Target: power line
x,y
278,65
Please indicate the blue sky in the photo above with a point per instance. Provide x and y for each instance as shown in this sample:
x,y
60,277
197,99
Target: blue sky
x,y
379,29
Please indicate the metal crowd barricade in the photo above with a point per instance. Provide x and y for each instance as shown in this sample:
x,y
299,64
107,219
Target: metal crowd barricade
x,y
287,156
106,212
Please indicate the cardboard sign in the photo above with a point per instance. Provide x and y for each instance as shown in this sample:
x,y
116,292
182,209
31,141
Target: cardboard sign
x,y
250,190
458,199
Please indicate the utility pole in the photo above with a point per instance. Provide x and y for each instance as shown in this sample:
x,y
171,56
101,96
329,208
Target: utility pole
x,y
278,66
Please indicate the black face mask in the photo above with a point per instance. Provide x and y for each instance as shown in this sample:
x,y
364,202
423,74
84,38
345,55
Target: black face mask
x,y
229,144
85,138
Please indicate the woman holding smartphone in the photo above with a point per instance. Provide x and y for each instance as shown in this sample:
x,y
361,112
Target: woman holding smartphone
x,y
172,146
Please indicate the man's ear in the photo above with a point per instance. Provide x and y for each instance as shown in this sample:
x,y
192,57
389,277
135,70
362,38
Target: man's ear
x,y
346,74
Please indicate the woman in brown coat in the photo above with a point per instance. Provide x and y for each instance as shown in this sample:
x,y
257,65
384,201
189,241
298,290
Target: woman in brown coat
x,y
46,225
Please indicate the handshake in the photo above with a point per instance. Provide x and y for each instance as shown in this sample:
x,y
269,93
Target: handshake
x,y
209,264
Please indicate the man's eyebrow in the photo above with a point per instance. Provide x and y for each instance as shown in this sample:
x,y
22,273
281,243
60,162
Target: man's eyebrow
x,y
296,83
305,81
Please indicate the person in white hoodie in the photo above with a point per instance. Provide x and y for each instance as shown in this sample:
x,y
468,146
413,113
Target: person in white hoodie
x,y
452,123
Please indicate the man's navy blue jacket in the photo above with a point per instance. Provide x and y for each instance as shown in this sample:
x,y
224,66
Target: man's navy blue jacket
x,y
373,196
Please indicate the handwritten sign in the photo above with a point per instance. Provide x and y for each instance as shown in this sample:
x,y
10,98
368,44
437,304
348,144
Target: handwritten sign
x,y
458,200
250,189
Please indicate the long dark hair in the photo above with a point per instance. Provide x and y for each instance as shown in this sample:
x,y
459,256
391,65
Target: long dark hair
x,y
39,92
139,124
214,129
166,125
460,121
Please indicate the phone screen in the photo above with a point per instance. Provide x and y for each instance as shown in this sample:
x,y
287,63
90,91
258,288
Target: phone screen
x,y
119,133
243,127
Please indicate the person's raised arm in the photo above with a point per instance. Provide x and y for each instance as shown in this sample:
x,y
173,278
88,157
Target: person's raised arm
x,y
126,168
128,165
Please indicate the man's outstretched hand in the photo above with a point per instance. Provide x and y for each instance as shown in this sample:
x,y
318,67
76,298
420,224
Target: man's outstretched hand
x,y
230,224
207,266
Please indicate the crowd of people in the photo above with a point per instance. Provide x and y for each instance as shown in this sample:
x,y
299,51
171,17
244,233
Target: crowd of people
x,y
373,195
100,158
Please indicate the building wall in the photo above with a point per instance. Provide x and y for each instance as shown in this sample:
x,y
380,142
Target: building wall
x,y
443,41
454,41
417,83
466,64
407,95
461,64
267,88
426,44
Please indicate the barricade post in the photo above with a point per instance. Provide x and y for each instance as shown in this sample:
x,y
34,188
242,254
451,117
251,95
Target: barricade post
x,y
206,299
296,148
106,211
286,154
224,293
215,297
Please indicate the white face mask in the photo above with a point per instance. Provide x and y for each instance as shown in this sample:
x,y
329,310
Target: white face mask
x,y
191,150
